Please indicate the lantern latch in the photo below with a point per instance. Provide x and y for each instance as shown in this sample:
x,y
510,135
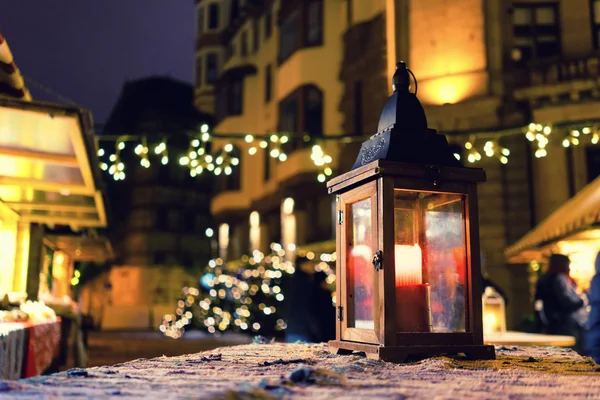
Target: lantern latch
x,y
433,173
340,315
378,260
340,217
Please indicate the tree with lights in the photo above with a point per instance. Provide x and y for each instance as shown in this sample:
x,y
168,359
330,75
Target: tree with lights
x,y
248,299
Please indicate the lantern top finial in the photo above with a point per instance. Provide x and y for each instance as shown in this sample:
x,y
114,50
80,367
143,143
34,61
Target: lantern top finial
x,y
401,78
402,134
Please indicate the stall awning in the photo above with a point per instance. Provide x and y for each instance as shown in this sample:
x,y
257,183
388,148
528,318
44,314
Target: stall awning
x,y
11,80
48,166
580,213
78,248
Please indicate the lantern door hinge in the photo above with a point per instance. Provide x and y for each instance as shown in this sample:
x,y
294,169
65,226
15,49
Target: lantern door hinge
x,y
340,315
340,217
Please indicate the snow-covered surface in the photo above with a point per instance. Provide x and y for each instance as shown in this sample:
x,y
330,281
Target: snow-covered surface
x,y
267,371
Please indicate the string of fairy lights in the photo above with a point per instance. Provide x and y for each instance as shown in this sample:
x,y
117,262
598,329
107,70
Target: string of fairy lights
x,y
540,135
198,158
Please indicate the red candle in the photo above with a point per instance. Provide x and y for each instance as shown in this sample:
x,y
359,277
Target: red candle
x,y
413,310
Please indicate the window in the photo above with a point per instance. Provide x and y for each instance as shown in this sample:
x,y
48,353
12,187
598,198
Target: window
x,y
244,44
313,109
235,9
199,62
229,98
314,23
269,23
301,113
349,13
358,108
213,16
256,34
159,258
200,21
596,22
268,84
174,223
211,68
236,100
288,35
536,31
593,162
300,27
162,219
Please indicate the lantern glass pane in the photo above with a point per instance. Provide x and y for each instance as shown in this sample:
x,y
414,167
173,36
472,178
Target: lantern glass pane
x,y
430,256
360,272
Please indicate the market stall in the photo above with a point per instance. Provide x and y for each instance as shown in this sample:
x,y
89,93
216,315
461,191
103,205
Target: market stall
x,y
49,178
572,230
29,340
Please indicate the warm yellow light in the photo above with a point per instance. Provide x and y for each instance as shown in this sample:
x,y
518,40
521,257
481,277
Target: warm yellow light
x,y
490,322
288,206
447,93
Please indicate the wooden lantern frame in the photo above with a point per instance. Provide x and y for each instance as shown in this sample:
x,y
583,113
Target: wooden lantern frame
x,y
377,180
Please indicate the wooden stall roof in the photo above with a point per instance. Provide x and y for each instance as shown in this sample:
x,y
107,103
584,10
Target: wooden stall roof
x,y
578,214
48,165
79,248
12,83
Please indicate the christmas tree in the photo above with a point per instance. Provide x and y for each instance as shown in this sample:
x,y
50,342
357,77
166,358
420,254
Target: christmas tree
x,y
247,297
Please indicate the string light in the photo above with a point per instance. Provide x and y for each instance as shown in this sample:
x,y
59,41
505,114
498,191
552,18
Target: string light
x,y
117,169
223,163
142,151
321,160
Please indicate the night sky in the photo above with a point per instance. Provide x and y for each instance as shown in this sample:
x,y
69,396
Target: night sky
x,y
86,50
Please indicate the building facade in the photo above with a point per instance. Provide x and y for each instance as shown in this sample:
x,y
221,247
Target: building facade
x,y
487,70
161,212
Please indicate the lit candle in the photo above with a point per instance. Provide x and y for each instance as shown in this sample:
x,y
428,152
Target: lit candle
x,y
409,265
413,311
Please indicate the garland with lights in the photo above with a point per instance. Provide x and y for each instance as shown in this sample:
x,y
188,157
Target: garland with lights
x,y
198,159
249,299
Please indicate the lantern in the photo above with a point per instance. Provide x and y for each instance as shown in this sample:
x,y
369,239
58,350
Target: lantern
x,y
494,314
409,278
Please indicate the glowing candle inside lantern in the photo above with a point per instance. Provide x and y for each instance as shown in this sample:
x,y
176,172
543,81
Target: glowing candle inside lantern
x,y
413,311
409,267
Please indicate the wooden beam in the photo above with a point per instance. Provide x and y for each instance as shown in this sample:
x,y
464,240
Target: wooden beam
x,y
82,155
7,211
37,184
100,207
55,206
51,158
72,221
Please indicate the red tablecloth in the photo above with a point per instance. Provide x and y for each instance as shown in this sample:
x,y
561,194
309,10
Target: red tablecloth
x,y
39,349
42,348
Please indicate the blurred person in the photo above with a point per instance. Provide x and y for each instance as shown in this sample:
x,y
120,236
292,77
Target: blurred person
x,y
592,337
561,308
309,306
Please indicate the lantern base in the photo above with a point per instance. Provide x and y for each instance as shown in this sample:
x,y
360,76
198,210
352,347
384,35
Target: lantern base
x,y
400,354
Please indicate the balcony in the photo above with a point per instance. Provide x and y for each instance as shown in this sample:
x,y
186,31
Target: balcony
x,y
559,80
